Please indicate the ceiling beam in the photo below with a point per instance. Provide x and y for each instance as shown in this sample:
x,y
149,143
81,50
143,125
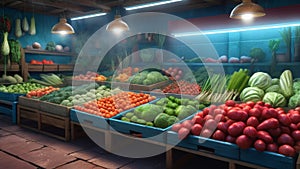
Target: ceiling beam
x,y
90,3
57,4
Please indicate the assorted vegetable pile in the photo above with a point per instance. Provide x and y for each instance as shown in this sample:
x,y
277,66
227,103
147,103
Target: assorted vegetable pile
x,y
182,87
113,105
276,92
92,76
164,112
21,88
249,124
148,78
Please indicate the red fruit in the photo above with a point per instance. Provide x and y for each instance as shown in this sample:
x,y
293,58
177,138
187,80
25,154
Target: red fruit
x,y
293,126
236,129
271,123
206,133
285,139
284,119
200,114
296,135
250,103
196,129
198,120
218,111
230,103
183,133
265,136
260,103
295,117
269,113
219,135
268,105
298,126
252,121
255,112
229,122
210,124
287,150
207,117
176,127
220,117
275,132
285,129
222,126
272,147
250,132
187,124
205,111
297,109
243,141
260,145
237,115
230,139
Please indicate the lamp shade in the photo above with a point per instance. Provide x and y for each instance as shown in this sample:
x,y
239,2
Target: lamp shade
x,y
117,25
247,9
62,27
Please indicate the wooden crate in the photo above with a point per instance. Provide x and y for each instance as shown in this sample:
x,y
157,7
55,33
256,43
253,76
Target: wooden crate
x,y
44,122
55,126
9,108
29,102
28,117
65,67
55,109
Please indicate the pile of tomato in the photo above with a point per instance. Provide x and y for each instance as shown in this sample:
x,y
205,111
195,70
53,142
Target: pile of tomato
x,y
183,87
41,92
113,105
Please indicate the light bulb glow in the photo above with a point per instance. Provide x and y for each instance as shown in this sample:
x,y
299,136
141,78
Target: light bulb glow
x,y
247,16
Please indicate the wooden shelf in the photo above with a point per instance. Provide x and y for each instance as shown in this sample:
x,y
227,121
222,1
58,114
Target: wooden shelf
x,y
45,52
12,68
50,68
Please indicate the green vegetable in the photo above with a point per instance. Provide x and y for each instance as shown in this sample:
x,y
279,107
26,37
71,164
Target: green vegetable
x,y
179,109
274,88
148,123
141,121
252,94
161,120
125,119
294,101
286,83
296,86
32,29
257,54
172,120
169,111
5,46
275,81
275,99
18,31
25,25
261,80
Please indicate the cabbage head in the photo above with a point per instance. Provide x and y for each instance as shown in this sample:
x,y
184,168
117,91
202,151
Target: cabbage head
x,y
275,99
261,80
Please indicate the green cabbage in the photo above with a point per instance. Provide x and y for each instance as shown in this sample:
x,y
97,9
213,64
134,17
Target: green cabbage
x,y
254,94
261,80
275,99
294,101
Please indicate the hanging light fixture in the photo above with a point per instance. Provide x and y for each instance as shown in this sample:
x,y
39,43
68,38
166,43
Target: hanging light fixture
x,y
247,10
117,25
62,27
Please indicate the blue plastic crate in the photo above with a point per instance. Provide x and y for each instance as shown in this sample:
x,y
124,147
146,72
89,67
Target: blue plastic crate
x,y
220,148
268,159
10,109
143,131
10,96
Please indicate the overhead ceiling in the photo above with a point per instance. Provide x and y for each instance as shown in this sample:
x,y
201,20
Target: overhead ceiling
x,y
71,8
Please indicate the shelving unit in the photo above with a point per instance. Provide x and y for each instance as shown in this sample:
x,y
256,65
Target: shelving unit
x,y
27,67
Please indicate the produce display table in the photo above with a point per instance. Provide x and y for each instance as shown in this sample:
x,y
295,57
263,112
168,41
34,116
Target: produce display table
x,y
9,108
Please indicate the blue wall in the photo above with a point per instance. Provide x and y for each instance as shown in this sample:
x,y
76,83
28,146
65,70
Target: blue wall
x,y
43,34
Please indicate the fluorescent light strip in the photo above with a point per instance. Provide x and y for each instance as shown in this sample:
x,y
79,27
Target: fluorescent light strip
x,y
235,30
88,16
150,4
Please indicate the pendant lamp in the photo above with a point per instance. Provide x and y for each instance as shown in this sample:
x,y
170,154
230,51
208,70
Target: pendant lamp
x,y
62,27
247,10
117,25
